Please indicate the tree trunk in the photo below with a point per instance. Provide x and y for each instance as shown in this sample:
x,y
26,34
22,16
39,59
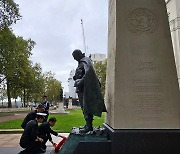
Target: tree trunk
x,y
21,101
24,98
27,98
9,95
15,103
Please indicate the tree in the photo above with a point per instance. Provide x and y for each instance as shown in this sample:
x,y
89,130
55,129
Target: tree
x,y
100,69
8,57
9,13
14,61
53,87
38,86
22,78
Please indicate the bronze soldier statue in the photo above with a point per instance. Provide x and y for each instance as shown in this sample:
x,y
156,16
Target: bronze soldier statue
x,y
88,90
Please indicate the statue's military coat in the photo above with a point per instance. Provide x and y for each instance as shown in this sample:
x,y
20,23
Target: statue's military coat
x,y
86,82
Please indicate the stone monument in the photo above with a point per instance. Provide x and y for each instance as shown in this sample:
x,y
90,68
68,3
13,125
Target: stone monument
x,y
60,109
70,106
144,90
142,94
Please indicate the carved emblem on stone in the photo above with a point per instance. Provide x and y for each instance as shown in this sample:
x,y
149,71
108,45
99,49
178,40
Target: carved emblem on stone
x,y
142,20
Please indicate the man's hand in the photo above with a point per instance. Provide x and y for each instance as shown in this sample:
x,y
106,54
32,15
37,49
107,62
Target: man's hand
x,y
78,83
39,139
61,136
54,144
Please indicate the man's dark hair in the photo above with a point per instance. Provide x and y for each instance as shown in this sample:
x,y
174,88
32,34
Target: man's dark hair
x,y
40,106
52,119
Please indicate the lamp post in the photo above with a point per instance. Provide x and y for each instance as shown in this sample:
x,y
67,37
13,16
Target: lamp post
x,y
84,41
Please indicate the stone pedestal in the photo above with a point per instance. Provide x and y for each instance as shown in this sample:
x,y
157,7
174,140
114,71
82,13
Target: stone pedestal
x,y
142,94
70,104
61,108
142,87
143,141
86,144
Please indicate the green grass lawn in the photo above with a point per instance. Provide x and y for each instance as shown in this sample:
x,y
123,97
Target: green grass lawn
x,y
64,123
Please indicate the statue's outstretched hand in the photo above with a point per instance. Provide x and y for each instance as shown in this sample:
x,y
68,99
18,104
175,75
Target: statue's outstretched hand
x,y
78,82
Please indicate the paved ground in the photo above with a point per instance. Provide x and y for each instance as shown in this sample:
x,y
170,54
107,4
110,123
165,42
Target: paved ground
x,y
9,143
13,117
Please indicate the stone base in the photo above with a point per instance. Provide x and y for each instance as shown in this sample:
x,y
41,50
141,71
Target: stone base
x,y
85,144
144,141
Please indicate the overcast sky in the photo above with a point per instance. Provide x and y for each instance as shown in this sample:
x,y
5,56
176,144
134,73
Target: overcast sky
x,y
56,28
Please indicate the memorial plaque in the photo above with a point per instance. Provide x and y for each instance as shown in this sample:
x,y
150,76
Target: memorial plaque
x,y
142,87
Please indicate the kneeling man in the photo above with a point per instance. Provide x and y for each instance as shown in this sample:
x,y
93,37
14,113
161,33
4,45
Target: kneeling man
x,y
29,139
45,131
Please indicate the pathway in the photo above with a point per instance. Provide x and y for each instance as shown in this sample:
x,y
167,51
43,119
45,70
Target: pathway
x,y
13,117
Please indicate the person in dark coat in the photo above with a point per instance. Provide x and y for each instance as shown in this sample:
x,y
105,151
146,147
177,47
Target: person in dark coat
x,y
45,131
45,103
32,115
29,139
88,90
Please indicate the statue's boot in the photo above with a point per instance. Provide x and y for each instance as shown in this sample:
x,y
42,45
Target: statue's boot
x,y
88,127
82,127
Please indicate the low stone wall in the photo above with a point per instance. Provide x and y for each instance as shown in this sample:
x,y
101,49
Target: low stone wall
x,y
14,109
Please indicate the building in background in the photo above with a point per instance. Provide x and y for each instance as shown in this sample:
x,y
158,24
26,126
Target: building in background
x,y
71,95
173,10
72,89
97,57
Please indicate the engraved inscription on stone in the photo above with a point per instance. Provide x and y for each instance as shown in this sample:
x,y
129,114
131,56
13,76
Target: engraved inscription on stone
x,y
146,85
147,66
142,20
148,103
